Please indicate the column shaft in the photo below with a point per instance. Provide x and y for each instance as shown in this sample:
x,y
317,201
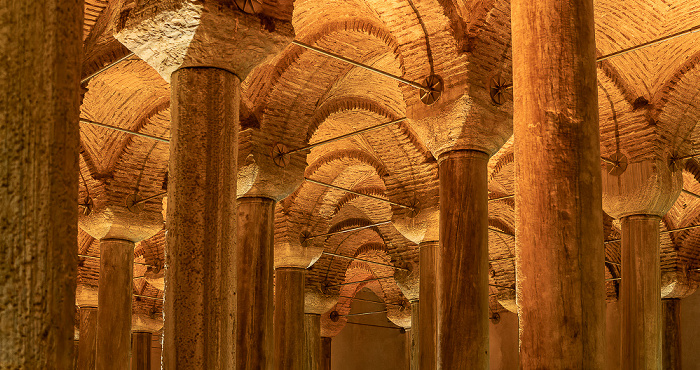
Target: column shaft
x,y
463,292
312,341
671,348
255,263
200,279
141,350
558,213
114,304
415,336
289,318
427,316
326,353
40,45
640,293
87,345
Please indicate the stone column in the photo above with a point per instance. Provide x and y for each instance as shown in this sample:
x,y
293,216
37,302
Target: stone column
x,y
88,337
316,303
559,234
671,348
640,293
639,196
141,350
255,262
415,336
200,280
412,284
326,353
312,341
114,304
142,329
289,318
86,300
462,276
40,44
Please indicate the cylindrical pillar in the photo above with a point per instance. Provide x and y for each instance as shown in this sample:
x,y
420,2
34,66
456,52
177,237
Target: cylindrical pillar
x,y
255,263
88,338
312,341
141,350
200,279
558,197
671,348
640,293
463,292
414,359
289,318
39,108
114,304
427,314
326,353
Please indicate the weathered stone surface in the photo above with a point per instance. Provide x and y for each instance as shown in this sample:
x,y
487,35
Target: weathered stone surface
x,y
317,302
259,176
110,218
645,188
409,281
114,304
678,284
86,296
87,343
289,318
146,323
175,34
561,297
400,316
141,350
200,281
254,288
291,252
40,54
423,226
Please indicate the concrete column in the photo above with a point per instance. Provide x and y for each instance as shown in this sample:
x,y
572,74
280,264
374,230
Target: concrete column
x,y
558,213
255,263
312,341
640,293
671,348
88,338
289,318
114,304
200,283
427,313
141,350
40,44
463,295
326,353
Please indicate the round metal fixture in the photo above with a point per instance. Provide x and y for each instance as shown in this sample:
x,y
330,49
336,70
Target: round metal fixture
x,y
618,165
498,89
495,318
436,86
132,203
279,155
88,206
334,316
415,208
304,238
249,6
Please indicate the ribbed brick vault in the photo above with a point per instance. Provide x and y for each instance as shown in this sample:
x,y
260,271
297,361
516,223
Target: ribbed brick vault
x,y
648,109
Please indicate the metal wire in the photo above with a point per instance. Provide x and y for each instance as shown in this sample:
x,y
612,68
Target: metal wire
x,y
649,43
357,64
363,260
90,77
361,281
83,120
371,301
367,129
348,230
357,193
363,313
690,193
96,258
151,197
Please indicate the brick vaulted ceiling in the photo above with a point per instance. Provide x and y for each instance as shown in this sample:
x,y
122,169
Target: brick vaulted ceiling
x,y
648,109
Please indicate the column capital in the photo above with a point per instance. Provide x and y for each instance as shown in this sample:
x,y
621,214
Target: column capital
x,y
146,323
409,281
462,120
317,302
294,254
117,213
86,296
263,171
175,34
648,187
